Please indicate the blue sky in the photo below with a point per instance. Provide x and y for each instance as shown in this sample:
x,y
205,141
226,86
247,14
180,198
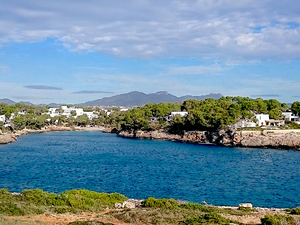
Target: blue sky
x,y
77,51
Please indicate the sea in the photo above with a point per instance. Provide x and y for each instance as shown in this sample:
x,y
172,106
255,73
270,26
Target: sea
x,y
140,168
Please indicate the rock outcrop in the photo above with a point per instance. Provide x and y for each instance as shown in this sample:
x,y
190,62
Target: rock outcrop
x,y
245,205
269,139
283,139
7,138
129,204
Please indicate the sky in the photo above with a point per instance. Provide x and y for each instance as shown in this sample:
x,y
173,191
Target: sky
x,y
74,51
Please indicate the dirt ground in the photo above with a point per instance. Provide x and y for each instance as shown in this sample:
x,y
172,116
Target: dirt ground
x,y
64,219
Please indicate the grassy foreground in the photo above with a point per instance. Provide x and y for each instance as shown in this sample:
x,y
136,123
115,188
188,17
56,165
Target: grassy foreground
x,y
89,207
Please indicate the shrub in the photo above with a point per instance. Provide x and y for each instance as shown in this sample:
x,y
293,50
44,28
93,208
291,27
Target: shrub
x,y
160,203
277,220
89,223
35,195
63,209
209,218
38,196
295,211
11,209
195,206
5,195
84,199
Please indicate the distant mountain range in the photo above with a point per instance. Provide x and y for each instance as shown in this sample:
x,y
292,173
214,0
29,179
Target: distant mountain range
x,y
136,98
7,101
11,102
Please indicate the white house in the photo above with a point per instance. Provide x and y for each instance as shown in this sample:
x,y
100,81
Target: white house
x,y
244,123
91,115
182,114
79,111
52,112
67,111
2,118
289,116
262,118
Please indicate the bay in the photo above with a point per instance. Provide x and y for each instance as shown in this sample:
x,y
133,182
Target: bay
x,y
60,161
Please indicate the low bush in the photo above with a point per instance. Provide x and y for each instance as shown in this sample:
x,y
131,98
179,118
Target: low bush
x,y
38,196
160,203
195,206
295,211
36,201
209,218
89,223
5,195
277,220
11,209
84,199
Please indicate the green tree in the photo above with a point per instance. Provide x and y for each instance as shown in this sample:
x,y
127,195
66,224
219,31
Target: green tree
x,y
136,119
82,120
273,104
73,113
59,110
296,107
275,114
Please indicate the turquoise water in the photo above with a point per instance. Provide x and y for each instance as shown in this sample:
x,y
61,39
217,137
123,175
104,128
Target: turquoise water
x,y
60,161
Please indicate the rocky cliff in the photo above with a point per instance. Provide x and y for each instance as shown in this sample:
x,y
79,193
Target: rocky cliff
x,y
284,139
7,138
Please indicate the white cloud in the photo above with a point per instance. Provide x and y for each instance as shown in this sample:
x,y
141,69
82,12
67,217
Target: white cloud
x,y
252,29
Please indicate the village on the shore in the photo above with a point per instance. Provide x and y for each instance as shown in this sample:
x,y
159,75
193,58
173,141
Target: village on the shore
x,y
260,120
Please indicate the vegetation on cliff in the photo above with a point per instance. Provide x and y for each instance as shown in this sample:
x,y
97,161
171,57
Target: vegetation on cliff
x,y
208,114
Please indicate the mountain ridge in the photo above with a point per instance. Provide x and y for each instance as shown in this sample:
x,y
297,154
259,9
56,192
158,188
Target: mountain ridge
x,y
136,98
133,98
7,101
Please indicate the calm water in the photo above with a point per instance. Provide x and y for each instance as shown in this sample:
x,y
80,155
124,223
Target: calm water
x,y
60,161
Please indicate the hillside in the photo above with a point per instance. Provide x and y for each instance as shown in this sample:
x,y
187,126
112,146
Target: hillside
x,y
136,98
7,101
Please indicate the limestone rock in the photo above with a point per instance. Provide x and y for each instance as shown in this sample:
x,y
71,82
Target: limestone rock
x,y
284,139
7,138
128,205
118,206
245,205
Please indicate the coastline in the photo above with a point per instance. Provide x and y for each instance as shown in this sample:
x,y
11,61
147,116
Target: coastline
x,y
117,204
7,138
279,139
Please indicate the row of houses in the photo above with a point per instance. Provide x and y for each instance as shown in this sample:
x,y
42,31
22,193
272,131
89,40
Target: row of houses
x,y
67,111
264,120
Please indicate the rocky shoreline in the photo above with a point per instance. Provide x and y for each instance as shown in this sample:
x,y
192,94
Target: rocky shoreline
x,y
281,139
12,137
